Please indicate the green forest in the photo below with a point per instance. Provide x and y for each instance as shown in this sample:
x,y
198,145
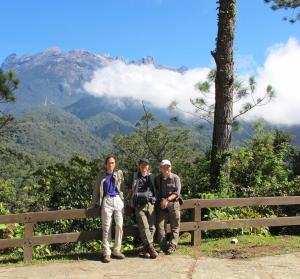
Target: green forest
x,y
266,165
43,175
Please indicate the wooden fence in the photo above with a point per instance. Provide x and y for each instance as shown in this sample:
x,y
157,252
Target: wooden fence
x,y
195,226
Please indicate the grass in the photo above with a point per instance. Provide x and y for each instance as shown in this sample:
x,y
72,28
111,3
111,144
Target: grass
x,y
247,246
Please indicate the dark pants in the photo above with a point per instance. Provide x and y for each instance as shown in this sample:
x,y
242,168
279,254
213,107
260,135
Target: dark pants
x,y
146,222
171,214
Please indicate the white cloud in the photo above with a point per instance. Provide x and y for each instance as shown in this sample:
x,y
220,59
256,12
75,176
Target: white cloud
x,y
145,82
161,86
282,70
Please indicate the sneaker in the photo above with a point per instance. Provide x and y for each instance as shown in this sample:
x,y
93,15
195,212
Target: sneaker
x,y
153,254
171,249
118,255
106,259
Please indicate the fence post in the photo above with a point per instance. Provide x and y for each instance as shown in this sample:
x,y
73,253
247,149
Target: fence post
x,y
196,236
28,242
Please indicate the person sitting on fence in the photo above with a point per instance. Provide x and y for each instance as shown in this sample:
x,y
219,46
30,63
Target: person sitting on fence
x,y
168,189
142,200
108,194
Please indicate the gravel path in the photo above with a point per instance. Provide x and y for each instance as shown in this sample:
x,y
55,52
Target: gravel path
x,y
275,267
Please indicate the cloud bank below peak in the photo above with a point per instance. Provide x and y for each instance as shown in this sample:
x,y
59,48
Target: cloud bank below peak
x,y
147,83
161,86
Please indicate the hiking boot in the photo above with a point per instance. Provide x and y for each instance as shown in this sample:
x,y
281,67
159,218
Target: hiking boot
x,y
118,255
153,254
144,253
171,249
106,259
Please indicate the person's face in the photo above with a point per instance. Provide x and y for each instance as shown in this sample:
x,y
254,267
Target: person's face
x,y
110,165
166,170
144,167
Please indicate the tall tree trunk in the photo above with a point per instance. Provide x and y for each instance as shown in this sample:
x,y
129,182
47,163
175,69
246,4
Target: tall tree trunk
x,y
223,56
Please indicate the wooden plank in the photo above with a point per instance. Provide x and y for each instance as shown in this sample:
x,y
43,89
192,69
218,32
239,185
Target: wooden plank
x,y
95,235
244,223
77,236
184,227
64,214
196,235
12,218
67,237
188,204
188,226
50,215
250,201
28,244
11,243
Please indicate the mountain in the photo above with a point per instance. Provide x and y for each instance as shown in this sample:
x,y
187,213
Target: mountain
x,y
57,133
60,117
126,108
52,77
57,78
105,125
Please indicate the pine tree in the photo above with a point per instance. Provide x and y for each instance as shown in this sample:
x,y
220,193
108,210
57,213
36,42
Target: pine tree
x,y
8,83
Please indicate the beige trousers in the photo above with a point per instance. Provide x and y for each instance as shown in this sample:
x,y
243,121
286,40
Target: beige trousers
x,y
112,207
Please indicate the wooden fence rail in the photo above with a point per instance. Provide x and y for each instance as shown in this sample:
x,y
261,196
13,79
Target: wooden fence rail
x,y
195,226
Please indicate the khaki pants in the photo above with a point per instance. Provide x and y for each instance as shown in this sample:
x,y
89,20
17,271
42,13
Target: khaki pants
x,y
112,207
146,219
173,216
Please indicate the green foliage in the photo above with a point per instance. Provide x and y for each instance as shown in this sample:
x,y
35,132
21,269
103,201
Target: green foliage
x,y
8,84
128,243
7,191
105,125
242,92
267,165
54,133
156,142
261,169
65,185
233,213
3,209
8,231
286,4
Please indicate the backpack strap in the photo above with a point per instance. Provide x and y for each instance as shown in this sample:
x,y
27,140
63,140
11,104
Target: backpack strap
x,y
152,181
134,185
134,189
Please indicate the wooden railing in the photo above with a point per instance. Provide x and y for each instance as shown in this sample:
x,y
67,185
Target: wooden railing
x,y
195,226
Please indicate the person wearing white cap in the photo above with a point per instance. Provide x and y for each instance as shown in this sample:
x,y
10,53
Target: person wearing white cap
x,y
168,189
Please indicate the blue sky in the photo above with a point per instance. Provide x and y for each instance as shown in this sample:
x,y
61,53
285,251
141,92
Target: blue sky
x,y
174,32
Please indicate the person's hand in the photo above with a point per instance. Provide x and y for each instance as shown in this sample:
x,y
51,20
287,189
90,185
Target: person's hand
x,y
164,204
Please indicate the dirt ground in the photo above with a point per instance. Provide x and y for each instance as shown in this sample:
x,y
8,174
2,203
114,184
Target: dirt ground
x,y
175,266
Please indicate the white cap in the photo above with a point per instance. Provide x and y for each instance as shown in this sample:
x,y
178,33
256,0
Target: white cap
x,y
165,162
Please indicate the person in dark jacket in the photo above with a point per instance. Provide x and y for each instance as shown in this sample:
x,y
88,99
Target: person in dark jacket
x,y
143,200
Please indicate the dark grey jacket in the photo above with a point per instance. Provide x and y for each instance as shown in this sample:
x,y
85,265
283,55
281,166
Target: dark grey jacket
x,y
166,187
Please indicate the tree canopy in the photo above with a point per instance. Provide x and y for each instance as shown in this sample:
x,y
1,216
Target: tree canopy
x,y
287,4
8,84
